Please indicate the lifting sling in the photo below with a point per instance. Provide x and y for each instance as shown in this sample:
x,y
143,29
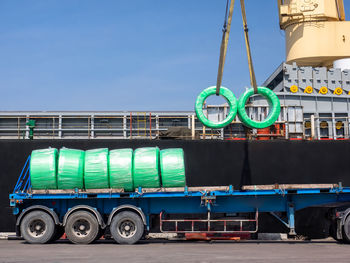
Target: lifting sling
x,y
224,43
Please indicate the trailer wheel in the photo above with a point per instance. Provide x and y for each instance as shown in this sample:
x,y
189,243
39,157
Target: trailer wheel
x,y
333,232
127,227
37,227
82,227
346,230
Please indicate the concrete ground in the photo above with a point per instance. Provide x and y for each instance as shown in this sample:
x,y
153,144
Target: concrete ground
x,y
180,252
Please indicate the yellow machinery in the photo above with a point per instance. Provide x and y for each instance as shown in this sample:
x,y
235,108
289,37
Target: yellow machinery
x,y
317,35
316,31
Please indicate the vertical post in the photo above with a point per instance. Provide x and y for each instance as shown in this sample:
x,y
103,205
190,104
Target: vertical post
x,y
150,125
346,126
334,131
88,126
92,120
19,127
27,127
291,219
193,128
203,132
285,125
312,121
130,125
60,126
53,127
208,218
124,126
317,127
157,125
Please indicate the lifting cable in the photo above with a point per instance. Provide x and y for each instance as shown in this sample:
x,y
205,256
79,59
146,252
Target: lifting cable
x,y
224,42
234,105
247,44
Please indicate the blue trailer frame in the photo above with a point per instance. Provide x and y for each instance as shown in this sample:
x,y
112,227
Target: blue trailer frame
x,y
105,205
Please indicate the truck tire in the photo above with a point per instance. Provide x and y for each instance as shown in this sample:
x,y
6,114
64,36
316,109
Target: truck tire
x,y
127,227
346,230
37,227
82,227
333,232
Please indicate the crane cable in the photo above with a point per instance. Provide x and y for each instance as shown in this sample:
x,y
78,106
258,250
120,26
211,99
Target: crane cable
x,y
247,44
224,42
225,35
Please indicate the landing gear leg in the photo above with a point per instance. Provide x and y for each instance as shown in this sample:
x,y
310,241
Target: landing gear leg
x,y
291,219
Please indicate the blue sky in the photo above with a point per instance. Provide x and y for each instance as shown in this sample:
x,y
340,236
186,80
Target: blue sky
x,y
127,55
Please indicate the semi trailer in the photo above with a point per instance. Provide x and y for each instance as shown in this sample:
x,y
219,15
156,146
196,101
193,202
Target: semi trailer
x,y
85,215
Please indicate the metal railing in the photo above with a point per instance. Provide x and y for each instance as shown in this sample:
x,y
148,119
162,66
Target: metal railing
x,y
323,128
133,125
211,225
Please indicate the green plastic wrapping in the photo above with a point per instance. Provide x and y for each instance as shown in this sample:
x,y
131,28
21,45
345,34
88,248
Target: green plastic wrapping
x,y
120,169
172,167
146,167
96,169
43,169
274,111
231,100
70,173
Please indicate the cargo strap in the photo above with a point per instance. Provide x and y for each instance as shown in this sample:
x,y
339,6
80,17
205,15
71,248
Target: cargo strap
x,y
247,44
224,42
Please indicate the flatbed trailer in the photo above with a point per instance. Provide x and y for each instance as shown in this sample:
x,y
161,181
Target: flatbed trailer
x,y
85,215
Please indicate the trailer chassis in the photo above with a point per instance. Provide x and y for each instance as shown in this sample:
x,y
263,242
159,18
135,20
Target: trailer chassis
x,y
105,205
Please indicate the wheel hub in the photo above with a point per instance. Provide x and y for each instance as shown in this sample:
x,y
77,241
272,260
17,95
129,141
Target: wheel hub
x,y
81,227
37,228
127,228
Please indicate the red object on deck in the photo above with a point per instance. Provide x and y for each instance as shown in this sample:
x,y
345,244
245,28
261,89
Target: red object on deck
x,y
223,236
263,134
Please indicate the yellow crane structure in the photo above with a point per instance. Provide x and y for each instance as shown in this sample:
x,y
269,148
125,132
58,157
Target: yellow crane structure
x,y
316,31
316,34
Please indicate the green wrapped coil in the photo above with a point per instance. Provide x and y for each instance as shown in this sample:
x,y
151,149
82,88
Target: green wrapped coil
x,y
43,169
146,167
274,111
70,173
231,100
96,169
172,167
120,169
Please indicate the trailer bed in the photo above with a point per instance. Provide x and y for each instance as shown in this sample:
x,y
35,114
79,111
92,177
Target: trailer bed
x,y
206,209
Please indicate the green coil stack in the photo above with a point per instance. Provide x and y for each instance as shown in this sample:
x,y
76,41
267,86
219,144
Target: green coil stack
x,y
120,169
146,167
172,167
126,169
70,173
43,169
96,169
